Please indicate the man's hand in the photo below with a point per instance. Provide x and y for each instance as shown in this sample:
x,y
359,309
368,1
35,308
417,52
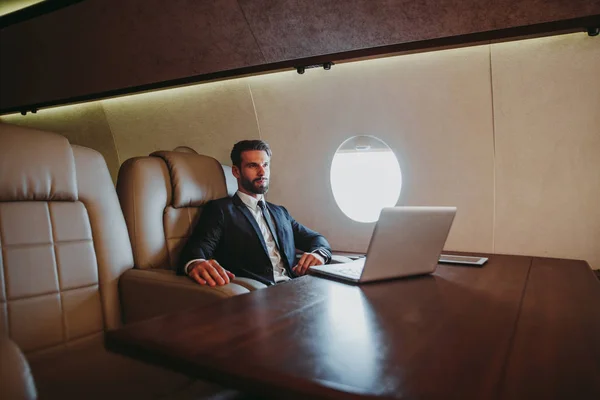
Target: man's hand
x,y
209,272
306,261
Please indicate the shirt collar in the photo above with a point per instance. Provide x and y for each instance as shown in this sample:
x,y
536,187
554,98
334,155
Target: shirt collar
x,y
250,201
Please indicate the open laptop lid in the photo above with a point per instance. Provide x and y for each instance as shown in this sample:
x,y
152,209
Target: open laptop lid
x,y
407,241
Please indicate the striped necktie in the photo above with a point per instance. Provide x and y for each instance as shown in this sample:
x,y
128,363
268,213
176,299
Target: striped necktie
x,y
267,217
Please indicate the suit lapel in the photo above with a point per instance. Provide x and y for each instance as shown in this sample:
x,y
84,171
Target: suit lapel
x,y
277,222
244,210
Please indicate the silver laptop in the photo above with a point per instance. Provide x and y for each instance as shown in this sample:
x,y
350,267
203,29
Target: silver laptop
x,y
406,241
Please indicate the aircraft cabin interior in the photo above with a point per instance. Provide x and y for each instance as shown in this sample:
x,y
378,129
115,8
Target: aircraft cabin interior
x,y
299,199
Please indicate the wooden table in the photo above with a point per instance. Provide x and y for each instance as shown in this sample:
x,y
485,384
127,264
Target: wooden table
x,y
518,328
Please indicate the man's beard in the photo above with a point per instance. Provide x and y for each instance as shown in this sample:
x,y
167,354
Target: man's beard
x,y
252,188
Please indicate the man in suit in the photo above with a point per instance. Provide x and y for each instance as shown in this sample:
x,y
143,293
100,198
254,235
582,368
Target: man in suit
x,y
246,236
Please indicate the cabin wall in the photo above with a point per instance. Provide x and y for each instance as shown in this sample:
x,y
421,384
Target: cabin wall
x,y
508,132
432,109
83,124
547,119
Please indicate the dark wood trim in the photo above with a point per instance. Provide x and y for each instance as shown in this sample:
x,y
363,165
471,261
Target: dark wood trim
x,y
516,33
34,11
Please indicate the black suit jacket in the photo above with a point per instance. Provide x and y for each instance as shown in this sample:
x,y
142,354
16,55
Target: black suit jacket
x,y
228,233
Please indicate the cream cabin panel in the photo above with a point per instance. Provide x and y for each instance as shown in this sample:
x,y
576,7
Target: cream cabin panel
x,y
433,110
82,124
208,118
547,108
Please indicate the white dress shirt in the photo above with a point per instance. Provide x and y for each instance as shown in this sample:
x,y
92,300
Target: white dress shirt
x,y
279,272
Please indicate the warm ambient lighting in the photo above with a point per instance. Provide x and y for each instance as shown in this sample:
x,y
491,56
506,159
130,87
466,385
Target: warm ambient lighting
x,y
10,6
365,177
176,92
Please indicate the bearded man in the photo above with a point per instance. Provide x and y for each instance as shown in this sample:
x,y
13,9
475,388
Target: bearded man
x,y
245,235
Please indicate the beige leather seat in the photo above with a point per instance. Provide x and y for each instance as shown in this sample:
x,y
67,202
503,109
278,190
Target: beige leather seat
x,y
162,196
185,149
16,381
64,245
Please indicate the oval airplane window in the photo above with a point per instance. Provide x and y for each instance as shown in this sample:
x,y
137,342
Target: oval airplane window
x,y
365,177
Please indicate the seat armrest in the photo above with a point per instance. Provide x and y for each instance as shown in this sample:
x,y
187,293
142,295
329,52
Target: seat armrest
x,y
149,293
16,381
249,284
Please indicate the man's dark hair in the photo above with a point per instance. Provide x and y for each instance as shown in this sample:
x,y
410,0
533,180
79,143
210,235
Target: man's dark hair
x,y
245,145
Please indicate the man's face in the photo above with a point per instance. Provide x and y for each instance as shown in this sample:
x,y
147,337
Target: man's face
x,y
253,176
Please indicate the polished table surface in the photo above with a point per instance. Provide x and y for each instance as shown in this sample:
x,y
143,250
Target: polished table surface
x,y
517,328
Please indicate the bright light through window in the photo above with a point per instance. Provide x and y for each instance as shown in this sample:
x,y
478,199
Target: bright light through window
x,y
365,177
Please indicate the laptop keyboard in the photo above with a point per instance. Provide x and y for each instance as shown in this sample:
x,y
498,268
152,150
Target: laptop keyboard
x,y
352,269
352,272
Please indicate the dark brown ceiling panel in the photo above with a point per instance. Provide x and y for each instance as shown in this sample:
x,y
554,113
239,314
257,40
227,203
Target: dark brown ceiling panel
x,y
98,45
292,29
99,48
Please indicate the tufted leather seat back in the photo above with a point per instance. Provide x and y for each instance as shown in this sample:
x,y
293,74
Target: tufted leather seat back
x,y
63,242
162,196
